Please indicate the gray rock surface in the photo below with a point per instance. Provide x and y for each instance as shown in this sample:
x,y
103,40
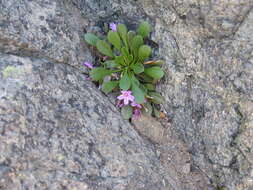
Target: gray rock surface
x,y
209,86
57,131
43,28
173,154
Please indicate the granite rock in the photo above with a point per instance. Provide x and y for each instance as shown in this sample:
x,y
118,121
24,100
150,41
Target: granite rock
x,y
207,46
43,28
58,131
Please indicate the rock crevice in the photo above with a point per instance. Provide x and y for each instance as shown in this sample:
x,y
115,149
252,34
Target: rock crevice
x,y
58,131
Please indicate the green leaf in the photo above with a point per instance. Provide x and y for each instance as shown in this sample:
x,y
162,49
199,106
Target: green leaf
x,y
122,30
156,97
150,86
120,60
109,86
134,79
147,109
156,112
124,52
130,58
130,36
144,52
104,48
111,64
138,68
127,112
99,73
125,82
91,39
144,29
146,78
143,88
154,72
138,94
136,43
114,39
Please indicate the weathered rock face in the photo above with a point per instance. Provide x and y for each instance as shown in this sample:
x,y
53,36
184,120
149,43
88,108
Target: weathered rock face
x,y
209,85
44,29
57,131
208,88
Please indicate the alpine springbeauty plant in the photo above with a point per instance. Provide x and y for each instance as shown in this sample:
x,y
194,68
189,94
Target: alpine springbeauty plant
x,y
125,67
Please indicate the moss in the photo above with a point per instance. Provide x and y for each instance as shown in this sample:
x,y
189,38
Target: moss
x,y
10,71
222,188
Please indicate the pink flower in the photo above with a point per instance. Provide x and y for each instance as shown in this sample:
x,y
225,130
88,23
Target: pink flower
x,y
104,58
88,64
126,96
136,114
88,78
113,26
120,103
134,104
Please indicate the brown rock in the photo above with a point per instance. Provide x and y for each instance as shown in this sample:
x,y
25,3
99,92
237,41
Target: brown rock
x,y
149,127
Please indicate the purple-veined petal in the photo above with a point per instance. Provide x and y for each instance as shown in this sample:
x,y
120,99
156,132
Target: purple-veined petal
x,y
121,97
113,26
120,103
134,104
126,96
136,114
126,101
88,64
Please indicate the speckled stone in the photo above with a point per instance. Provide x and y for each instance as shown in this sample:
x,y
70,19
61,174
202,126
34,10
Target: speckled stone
x,y
61,132
58,131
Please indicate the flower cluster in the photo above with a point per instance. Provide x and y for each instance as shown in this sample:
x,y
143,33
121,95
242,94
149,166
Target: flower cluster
x,y
113,26
126,98
88,64
124,67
